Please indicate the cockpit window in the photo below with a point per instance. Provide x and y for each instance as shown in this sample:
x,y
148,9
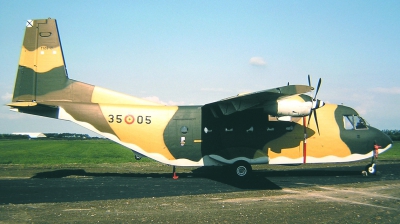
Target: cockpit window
x,y
354,122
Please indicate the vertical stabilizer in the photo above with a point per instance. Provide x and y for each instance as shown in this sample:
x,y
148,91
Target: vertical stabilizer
x,y
41,71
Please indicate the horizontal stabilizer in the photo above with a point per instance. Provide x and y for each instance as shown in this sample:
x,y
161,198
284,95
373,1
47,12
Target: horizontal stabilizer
x,y
22,104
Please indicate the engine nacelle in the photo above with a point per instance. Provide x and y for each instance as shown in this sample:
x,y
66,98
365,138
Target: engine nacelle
x,y
292,107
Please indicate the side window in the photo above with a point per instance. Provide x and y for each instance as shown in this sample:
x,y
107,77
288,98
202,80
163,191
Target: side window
x,y
359,123
354,122
348,122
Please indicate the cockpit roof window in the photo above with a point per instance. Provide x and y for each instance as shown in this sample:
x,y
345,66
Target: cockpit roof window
x,y
354,122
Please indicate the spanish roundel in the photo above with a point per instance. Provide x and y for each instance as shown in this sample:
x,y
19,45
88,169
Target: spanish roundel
x,y
129,119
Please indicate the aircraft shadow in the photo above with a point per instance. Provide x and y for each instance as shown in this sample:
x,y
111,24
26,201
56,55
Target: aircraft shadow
x,y
81,172
72,185
273,179
259,180
216,174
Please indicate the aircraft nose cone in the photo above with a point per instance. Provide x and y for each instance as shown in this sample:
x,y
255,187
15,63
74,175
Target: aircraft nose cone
x,y
382,139
385,140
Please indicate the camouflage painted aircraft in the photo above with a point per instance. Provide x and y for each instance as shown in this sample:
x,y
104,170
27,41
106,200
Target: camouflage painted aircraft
x,y
265,127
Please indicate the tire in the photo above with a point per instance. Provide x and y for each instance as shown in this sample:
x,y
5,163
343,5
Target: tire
x,y
371,169
242,169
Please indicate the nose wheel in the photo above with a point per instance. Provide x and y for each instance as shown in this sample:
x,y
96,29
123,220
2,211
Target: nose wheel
x,y
370,169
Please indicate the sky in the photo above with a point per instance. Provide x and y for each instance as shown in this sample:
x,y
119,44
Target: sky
x,y
197,52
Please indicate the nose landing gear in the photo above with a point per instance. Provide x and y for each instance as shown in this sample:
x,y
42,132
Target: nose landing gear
x,y
370,169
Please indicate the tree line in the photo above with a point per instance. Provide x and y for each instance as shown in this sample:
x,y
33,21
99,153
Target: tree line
x,y
393,134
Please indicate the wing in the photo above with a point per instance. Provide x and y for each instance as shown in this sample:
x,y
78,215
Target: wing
x,y
256,99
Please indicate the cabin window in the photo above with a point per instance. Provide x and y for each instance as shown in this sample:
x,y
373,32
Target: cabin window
x,y
206,130
184,129
354,122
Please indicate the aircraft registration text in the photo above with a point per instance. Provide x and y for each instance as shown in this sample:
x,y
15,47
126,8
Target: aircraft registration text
x,y
129,119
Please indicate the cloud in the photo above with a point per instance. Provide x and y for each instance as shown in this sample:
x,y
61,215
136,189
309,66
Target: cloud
x,y
391,90
6,97
257,61
158,100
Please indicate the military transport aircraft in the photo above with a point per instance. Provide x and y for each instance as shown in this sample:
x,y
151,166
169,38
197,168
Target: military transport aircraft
x,y
265,127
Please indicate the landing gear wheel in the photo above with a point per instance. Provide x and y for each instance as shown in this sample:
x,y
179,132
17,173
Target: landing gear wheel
x,y
242,169
371,169
137,157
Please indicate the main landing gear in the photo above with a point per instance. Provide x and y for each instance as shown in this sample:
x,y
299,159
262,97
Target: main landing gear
x,y
241,169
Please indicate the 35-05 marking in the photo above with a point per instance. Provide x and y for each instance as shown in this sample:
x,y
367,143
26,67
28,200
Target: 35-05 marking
x,y
129,119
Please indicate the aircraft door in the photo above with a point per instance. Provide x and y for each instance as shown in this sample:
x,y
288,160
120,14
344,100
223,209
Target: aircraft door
x,y
184,138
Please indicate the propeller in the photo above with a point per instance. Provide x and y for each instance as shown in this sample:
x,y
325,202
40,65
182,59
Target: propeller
x,y
316,103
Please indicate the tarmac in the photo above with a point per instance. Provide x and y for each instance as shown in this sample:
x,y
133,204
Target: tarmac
x,y
340,186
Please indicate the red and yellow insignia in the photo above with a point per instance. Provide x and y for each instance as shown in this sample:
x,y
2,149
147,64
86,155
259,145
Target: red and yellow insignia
x,y
129,119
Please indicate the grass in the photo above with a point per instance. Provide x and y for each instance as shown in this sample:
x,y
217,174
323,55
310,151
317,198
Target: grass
x,y
393,153
52,152
64,151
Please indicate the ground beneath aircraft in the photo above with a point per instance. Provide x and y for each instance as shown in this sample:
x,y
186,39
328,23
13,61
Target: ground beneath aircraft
x,y
336,193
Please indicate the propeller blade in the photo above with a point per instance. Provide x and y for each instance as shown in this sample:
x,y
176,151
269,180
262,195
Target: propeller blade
x,y
316,121
315,118
309,118
319,85
315,104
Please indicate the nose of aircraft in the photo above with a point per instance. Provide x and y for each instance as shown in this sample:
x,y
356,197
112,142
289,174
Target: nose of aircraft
x,y
383,140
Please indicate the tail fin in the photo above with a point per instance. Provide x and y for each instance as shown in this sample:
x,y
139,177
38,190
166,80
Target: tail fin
x,y
41,69
42,77
42,86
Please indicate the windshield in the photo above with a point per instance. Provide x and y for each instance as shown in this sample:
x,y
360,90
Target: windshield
x,y
354,122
